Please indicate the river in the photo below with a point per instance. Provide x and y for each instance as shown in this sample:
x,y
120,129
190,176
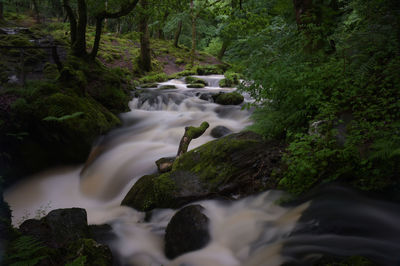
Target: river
x,y
251,231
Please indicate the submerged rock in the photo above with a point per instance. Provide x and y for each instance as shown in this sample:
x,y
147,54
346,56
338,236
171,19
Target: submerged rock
x,y
220,131
238,164
187,231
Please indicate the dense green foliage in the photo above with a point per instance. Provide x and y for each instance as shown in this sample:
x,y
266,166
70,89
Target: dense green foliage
x,y
330,87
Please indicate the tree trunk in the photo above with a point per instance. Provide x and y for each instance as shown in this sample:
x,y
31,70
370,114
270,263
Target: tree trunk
x,y
302,9
1,11
225,45
160,30
36,9
190,134
125,10
178,34
194,17
145,56
96,43
194,33
79,49
72,21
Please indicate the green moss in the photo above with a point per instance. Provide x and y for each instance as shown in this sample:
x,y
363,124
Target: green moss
x,y
182,74
196,86
232,98
149,85
154,78
151,191
179,61
211,161
230,80
95,254
167,87
194,80
209,69
50,71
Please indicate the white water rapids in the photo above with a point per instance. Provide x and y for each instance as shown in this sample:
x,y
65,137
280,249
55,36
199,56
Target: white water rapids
x,y
251,231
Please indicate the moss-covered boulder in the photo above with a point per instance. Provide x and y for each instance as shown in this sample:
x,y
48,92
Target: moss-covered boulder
x,y
236,164
232,98
167,87
194,80
230,80
196,86
149,85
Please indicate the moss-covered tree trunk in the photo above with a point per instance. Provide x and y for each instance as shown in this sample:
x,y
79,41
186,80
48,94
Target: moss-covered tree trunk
x,y
36,9
145,56
178,34
79,48
190,134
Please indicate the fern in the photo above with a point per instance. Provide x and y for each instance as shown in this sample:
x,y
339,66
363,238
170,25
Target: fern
x,y
80,261
25,251
63,118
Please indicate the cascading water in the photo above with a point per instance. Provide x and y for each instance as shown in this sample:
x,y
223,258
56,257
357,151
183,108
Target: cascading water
x,y
251,231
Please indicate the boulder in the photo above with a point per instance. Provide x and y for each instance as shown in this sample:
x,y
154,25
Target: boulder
x,y
68,237
187,231
207,97
59,227
237,164
220,131
231,98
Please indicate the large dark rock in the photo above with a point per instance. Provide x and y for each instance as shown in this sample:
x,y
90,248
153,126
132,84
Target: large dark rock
x,y
59,227
238,164
207,97
187,231
220,131
67,234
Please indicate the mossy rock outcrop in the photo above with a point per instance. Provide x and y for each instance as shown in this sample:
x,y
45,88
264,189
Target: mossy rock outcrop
x,y
238,164
231,98
48,126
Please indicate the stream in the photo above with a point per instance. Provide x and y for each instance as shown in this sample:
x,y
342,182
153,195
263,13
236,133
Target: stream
x,y
251,231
